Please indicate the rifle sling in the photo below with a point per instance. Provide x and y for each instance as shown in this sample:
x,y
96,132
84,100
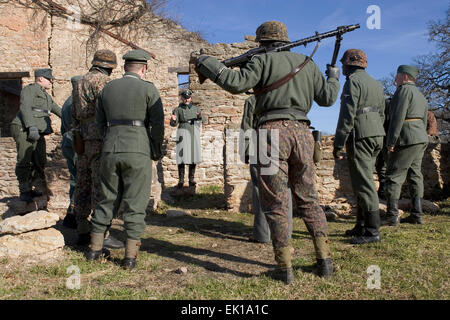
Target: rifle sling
x,y
285,79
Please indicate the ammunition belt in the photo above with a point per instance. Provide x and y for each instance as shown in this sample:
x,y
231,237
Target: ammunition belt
x,y
132,123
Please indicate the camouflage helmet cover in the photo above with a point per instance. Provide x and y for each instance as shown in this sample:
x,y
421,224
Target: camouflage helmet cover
x,y
354,57
104,59
272,31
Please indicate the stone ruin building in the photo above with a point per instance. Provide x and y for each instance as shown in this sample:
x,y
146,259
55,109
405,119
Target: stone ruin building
x,y
38,37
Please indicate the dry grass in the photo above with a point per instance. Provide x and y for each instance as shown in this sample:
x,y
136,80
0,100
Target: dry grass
x,y
212,244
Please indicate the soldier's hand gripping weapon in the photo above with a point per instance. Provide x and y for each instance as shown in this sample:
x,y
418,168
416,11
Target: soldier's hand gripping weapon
x,y
241,60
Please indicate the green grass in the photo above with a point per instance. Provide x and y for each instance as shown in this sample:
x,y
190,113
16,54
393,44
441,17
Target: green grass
x,y
221,264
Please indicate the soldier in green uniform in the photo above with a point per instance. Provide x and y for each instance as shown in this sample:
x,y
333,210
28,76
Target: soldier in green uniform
x,y
188,118
282,112
406,142
70,155
130,112
381,163
29,128
360,129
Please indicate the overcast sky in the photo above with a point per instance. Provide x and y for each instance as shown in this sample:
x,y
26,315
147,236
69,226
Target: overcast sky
x,y
401,37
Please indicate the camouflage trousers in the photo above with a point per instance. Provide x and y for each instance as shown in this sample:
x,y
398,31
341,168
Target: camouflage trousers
x,y
292,158
87,188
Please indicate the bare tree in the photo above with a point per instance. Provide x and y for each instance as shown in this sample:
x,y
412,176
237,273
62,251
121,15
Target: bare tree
x,y
124,20
433,79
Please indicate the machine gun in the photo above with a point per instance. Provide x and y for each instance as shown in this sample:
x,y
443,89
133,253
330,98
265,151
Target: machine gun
x,y
246,57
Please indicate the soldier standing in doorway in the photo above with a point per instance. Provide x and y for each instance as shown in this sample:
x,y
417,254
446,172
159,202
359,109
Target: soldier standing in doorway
x,y
188,118
29,129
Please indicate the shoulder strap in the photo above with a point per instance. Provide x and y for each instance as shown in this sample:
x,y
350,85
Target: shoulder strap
x,y
286,78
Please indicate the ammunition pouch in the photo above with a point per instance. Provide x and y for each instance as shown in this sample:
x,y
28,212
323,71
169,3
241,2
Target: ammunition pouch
x,y
77,141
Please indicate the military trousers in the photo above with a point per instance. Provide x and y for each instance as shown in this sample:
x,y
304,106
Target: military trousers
x,y
261,231
361,157
31,159
70,156
286,149
405,163
125,179
86,193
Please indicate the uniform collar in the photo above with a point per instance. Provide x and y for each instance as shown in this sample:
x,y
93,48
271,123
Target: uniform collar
x,y
186,105
357,71
99,70
131,74
40,87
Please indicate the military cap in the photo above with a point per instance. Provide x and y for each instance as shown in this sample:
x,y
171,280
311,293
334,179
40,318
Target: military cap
x,y
354,57
412,71
105,59
137,56
186,93
272,31
46,73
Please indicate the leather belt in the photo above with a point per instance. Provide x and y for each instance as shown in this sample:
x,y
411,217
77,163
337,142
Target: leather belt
x,y
132,123
290,111
413,119
190,121
366,110
40,110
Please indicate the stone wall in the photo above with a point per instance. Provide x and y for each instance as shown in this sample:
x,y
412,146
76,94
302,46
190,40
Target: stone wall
x,y
32,39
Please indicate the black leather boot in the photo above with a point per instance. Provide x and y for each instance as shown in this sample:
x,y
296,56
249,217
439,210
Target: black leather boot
x,y
113,243
324,268
92,255
285,275
128,263
26,196
371,226
36,194
358,229
180,176
96,249
131,252
391,216
192,175
416,212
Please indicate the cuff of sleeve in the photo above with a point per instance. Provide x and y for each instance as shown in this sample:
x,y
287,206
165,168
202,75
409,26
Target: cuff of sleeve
x,y
339,140
211,68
